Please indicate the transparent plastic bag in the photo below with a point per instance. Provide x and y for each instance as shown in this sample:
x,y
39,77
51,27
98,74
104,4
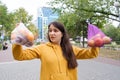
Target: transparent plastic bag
x,y
22,36
96,38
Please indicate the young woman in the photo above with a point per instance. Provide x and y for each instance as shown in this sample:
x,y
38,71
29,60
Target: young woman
x,y
58,57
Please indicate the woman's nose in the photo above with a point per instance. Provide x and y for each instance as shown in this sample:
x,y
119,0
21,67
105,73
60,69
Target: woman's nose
x,y
52,32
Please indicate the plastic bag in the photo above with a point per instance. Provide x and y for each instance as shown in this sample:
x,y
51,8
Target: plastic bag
x,y
96,38
22,36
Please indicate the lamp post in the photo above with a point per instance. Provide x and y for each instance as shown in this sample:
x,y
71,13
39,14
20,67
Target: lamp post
x,y
117,5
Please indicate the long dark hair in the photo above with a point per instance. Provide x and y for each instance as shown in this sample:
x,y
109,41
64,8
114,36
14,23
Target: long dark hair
x,y
65,45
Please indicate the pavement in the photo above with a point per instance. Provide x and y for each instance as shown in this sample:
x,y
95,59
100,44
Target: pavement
x,y
99,68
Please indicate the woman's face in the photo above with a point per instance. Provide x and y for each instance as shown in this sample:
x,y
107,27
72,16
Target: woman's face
x,y
55,34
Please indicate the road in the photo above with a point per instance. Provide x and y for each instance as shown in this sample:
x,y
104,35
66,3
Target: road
x,y
94,69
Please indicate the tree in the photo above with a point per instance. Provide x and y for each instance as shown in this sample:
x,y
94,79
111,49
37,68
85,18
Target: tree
x,y
93,8
21,15
97,12
33,29
6,20
112,32
10,19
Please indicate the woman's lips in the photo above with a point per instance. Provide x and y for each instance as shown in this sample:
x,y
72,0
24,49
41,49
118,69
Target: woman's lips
x,y
52,37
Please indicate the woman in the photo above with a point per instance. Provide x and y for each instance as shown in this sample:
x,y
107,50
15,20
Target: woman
x,y
58,56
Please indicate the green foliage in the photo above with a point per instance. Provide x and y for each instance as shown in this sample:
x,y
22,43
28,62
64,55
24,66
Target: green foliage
x,y
5,20
33,29
21,15
69,21
9,20
74,13
112,32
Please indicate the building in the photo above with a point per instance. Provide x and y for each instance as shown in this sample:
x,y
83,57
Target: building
x,y
45,16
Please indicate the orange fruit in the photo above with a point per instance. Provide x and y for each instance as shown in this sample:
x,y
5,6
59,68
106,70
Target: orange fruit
x,y
106,40
98,42
13,36
30,36
91,43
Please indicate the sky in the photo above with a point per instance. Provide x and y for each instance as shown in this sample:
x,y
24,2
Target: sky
x,y
30,6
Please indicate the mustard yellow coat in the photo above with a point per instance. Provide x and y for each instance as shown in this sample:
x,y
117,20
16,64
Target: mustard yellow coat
x,y
53,64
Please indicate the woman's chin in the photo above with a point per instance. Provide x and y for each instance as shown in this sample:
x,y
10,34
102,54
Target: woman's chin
x,y
54,42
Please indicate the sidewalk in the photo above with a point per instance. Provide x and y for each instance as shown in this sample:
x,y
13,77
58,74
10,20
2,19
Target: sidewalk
x,y
6,55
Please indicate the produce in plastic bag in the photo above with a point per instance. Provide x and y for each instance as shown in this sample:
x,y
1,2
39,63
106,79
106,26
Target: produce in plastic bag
x,y
96,38
22,36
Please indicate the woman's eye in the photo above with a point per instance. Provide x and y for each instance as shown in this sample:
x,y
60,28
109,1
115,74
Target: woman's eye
x,y
55,30
50,30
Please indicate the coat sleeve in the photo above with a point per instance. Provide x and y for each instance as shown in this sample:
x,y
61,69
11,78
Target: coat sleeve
x,y
86,53
24,54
